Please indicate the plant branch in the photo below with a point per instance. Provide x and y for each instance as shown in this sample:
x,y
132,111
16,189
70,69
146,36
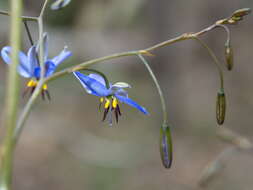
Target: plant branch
x,y
26,18
185,36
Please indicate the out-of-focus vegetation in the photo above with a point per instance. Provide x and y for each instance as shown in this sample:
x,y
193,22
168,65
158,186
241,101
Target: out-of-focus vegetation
x,y
66,146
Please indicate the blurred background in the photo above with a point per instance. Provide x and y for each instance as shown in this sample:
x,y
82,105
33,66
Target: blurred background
x,y
66,146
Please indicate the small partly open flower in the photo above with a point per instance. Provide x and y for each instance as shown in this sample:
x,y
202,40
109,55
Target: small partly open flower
x,y
29,65
59,4
109,97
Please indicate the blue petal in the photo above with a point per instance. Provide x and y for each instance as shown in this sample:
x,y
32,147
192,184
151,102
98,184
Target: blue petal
x,y
62,56
5,53
32,59
132,103
24,67
50,68
92,86
84,86
37,72
98,78
121,92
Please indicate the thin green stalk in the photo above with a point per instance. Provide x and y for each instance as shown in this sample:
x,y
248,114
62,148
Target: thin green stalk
x,y
41,44
26,18
41,49
12,97
162,99
26,111
215,59
28,32
227,31
86,64
43,8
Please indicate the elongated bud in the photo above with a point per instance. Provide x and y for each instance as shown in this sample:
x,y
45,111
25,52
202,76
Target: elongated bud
x,y
229,56
220,107
241,12
166,151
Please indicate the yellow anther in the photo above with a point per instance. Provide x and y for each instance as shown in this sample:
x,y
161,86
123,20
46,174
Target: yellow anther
x,y
114,103
107,103
31,83
101,100
44,87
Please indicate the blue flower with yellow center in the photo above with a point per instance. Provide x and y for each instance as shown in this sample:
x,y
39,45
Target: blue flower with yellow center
x,y
29,65
95,84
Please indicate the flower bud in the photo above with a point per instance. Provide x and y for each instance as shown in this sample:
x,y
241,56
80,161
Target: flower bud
x,y
229,57
220,107
241,12
166,146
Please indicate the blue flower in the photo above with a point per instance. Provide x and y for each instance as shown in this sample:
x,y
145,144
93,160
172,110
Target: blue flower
x,y
95,84
29,65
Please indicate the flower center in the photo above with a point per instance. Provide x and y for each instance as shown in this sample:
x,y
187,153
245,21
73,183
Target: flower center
x,y
30,87
110,105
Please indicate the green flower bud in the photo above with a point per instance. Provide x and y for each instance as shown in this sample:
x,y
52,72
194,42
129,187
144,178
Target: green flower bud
x,y
229,57
220,107
241,12
166,146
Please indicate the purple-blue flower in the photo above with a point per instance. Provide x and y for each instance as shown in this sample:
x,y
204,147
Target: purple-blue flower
x,y
95,84
29,65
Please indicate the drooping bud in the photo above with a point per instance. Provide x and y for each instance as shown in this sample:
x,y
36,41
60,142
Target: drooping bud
x,y
166,146
229,56
220,107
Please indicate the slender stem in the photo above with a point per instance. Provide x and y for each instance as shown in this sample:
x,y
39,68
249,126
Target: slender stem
x,y
41,44
27,18
215,59
43,8
28,32
41,49
88,63
144,61
26,111
227,31
12,97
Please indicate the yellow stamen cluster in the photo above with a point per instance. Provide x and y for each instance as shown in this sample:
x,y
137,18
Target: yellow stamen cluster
x,y
44,87
114,103
107,103
32,83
